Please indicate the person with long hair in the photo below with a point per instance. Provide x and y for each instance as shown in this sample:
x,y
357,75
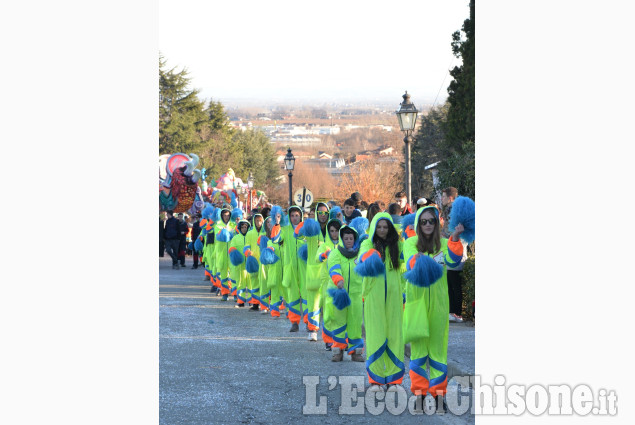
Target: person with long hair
x,y
380,265
272,264
426,323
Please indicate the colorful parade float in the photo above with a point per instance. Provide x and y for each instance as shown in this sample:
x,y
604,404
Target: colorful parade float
x,y
182,187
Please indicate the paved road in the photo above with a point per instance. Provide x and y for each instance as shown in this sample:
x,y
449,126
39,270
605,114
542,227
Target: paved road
x,y
219,364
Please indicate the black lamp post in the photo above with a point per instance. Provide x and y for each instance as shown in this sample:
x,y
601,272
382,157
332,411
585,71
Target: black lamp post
x,y
407,116
289,162
250,185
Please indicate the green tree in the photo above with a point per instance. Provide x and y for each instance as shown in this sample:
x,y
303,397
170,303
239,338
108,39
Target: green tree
x,y
181,114
426,149
457,167
459,127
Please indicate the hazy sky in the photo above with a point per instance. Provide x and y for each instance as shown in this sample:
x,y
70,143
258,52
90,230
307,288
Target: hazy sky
x,y
313,50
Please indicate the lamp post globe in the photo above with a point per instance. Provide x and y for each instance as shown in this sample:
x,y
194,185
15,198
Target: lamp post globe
x,y
407,117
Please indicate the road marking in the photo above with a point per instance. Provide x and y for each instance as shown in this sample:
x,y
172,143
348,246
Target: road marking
x,y
239,338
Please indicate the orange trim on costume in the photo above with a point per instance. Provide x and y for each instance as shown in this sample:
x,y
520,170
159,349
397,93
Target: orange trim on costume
x,y
337,278
312,327
455,247
233,248
439,389
326,338
410,232
298,227
369,253
275,231
418,383
293,318
340,345
275,313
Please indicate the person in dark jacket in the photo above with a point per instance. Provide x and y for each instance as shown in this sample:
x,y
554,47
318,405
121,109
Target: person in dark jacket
x,y
172,236
182,242
161,240
196,230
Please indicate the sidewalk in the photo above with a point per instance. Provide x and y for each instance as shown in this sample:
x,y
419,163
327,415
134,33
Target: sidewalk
x,y
220,364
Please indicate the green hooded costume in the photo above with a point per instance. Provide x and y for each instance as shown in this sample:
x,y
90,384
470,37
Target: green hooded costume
x,y
293,273
344,327
426,323
258,284
383,314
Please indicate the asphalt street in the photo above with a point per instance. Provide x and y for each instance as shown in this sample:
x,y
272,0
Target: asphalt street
x,y
219,364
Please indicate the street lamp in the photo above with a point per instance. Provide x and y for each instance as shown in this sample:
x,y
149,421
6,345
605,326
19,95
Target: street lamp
x,y
407,116
250,185
289,162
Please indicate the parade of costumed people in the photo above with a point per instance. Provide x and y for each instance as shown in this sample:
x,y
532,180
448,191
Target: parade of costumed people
x,y
364,288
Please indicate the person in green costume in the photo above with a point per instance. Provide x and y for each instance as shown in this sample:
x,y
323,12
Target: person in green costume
x,y
223,233
315,235
273,265
237,273
293,275
346,323
333,228
259,296
380,264
426,324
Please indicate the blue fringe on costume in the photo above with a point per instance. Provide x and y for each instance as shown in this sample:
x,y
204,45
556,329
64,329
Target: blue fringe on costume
x,y
216,214
237,213
310,228
224,236
425,272
198,245
262,242
284,221
341,300
251,264
463,212
303,253
207,212
360,224
407,220
373,266
233,202
334,211
236,257
267,256
275,210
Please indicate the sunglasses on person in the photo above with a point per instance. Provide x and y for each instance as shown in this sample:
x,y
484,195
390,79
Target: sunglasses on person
x,y
432,221
322,212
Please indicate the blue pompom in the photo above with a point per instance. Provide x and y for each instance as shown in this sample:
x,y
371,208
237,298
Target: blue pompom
x,y
425,272
207,212
251,264
262,242
373,266
198,245
360,224
341,300
310,228
216,214
275,210
236,257
334,212
233,202
408,220
303,253
284,221
267,256
463,212
237,213
224,236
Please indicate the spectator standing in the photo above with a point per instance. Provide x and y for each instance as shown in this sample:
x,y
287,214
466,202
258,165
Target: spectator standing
x,y
196,231
402,200
350,212
455,277
161,230
171,235
182,239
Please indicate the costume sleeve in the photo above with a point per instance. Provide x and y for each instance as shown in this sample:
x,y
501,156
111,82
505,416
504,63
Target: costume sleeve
x,y
335,268
454,253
